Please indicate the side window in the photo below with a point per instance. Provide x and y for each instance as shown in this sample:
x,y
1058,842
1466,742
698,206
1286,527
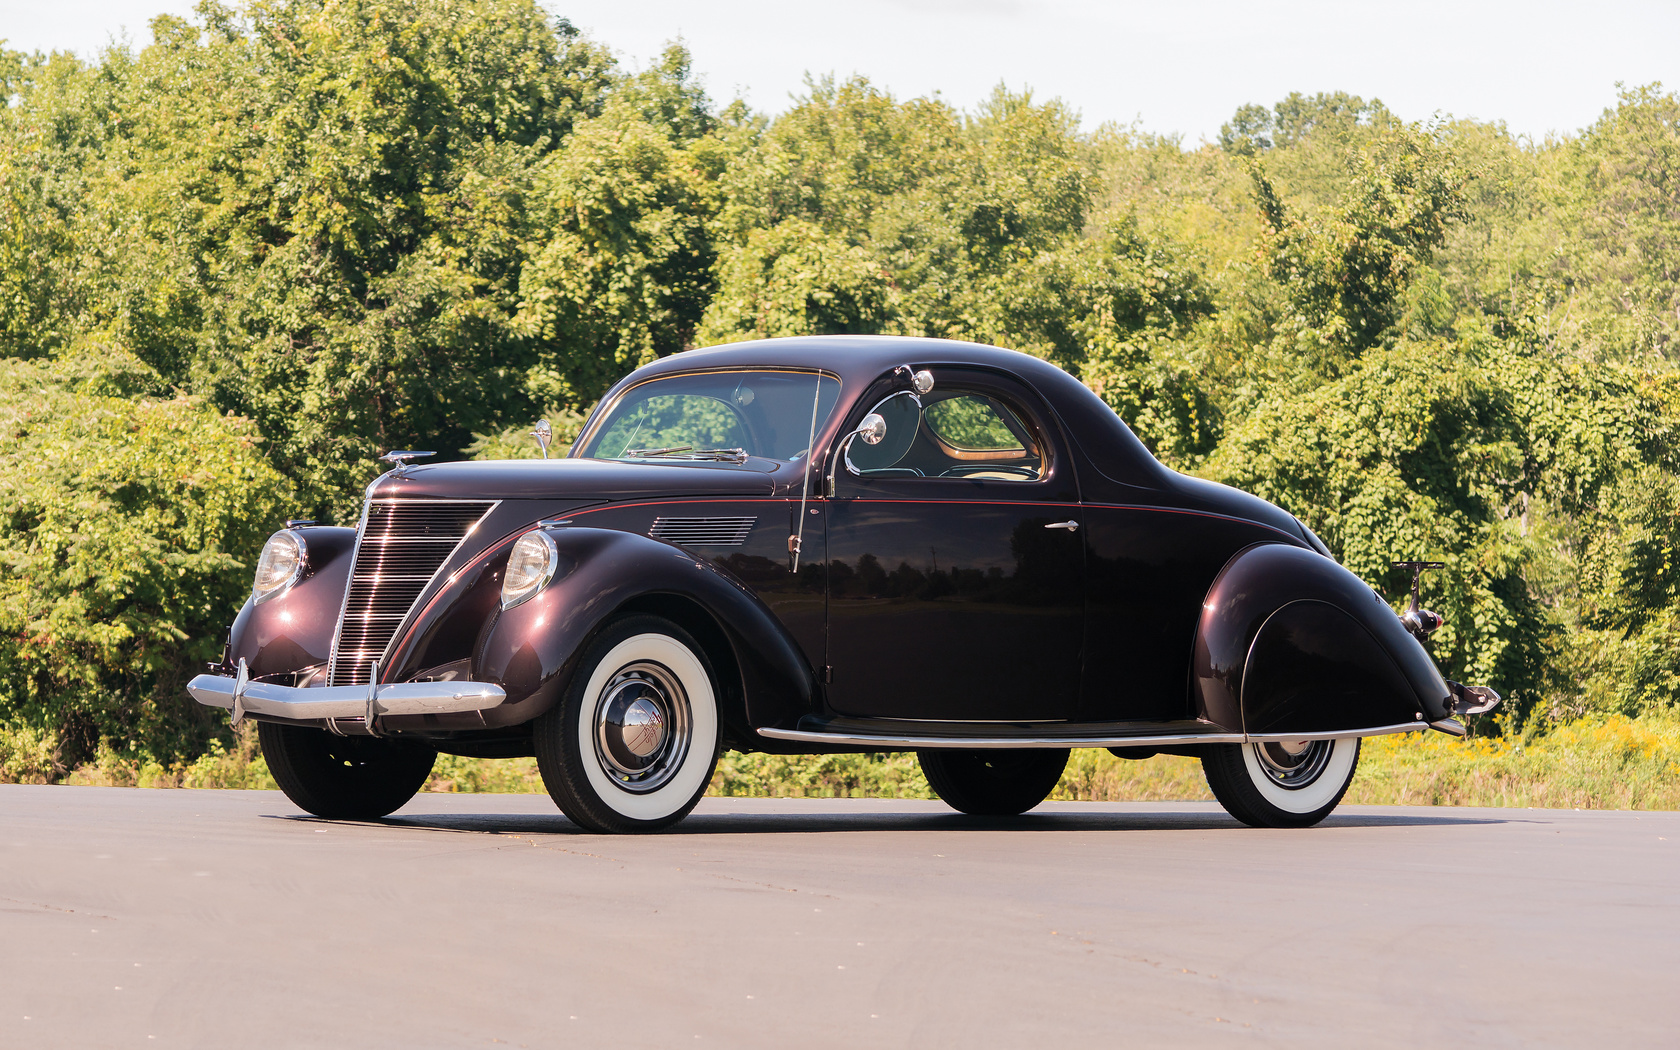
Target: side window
x,y
962,434
969,423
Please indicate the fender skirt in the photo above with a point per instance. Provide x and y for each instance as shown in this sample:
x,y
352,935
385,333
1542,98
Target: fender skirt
x,y
1291,642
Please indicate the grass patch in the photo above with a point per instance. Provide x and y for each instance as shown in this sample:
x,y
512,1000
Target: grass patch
x,y
242,766
1613,763
491,776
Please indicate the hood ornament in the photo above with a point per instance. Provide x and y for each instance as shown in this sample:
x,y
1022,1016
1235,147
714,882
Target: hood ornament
x,y
1418,620
401,460
543,433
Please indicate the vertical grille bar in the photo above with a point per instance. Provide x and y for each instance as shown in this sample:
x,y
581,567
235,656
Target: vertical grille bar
x,y
400,546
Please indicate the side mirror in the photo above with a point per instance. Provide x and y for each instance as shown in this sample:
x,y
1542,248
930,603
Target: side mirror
x,y
921,382
872,429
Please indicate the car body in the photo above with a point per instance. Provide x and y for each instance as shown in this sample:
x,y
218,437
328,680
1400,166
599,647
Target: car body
x,y
980,556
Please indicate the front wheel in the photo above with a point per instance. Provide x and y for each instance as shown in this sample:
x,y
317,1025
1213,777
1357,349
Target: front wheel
x,y
632,744
994,783
1287,784
344,777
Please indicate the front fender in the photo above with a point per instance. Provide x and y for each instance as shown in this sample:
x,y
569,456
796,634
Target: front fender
x,y
293,631
532,650
1289,641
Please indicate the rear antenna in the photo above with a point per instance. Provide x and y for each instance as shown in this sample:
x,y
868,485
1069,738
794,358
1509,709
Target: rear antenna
x,y
796,542
1418,620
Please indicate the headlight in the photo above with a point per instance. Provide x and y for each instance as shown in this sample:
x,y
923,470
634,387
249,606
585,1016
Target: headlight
x,y
530,566
279,566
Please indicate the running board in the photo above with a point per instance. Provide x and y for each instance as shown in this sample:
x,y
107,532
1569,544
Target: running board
x,y
919,742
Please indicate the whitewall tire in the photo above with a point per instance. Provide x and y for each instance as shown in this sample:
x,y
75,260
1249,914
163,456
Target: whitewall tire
x,y
633,741
1288,784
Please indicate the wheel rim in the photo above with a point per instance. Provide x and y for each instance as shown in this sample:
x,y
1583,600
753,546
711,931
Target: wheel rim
x,y
642,727
1293,764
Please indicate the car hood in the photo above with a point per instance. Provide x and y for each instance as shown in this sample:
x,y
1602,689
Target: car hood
x,y
591,479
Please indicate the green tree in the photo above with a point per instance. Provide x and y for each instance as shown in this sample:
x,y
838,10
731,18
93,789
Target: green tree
x,y
131,523
1345,270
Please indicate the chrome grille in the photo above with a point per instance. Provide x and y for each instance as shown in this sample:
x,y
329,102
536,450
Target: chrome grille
x,y
401,545
702,532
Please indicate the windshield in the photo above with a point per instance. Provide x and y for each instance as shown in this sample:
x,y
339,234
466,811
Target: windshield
x,y
716,415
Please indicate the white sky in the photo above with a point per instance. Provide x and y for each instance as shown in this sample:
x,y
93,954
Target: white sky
x,y
1539,65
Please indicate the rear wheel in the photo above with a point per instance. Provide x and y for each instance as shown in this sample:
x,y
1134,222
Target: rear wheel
x,y
995,783
1288,784
632,744
344,777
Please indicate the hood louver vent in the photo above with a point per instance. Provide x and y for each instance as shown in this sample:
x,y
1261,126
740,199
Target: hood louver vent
x,y
400,546
702,532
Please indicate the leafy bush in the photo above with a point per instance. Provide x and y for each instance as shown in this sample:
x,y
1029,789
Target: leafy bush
x,y
882,775
238,263
128,527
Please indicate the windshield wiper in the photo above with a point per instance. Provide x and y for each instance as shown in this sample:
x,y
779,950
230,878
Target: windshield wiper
x,y
724,455
638,453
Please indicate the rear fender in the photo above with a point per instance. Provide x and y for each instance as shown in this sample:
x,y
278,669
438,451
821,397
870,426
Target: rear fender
x,y
1290,641
533,649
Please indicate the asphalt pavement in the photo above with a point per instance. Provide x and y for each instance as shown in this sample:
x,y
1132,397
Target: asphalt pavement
x,y
221,919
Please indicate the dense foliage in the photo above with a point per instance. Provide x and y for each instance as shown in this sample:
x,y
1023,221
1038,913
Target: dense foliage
x,y
240,261
126,516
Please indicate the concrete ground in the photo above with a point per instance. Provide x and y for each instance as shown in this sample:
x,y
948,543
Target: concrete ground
x,y
220,919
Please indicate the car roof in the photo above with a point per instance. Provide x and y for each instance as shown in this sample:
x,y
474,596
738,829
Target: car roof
x,y
860,359
854,358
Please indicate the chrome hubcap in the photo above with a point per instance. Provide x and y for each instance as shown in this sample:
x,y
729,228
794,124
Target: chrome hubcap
x,y
641,726
642,729
1293,764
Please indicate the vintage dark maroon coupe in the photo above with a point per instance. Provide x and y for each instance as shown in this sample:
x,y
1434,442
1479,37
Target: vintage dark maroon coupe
x,y
823,544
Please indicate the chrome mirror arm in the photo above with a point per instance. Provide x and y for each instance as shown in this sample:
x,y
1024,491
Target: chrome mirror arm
x,y
920,381
872,428
840,451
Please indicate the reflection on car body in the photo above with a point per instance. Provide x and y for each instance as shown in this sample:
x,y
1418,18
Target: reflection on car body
x,y
823,544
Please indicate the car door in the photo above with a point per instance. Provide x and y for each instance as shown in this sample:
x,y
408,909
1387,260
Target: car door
x,y
955,563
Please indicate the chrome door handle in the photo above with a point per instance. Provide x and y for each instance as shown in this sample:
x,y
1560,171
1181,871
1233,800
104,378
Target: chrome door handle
x,y
1071,526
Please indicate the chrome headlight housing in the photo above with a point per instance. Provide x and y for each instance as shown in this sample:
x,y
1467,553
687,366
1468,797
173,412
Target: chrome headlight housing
x,y
530,566
280,565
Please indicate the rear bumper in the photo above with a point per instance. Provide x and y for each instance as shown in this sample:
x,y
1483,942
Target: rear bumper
x,y
344,701
1466,700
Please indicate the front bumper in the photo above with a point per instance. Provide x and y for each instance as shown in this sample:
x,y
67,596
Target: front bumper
x,y
344,701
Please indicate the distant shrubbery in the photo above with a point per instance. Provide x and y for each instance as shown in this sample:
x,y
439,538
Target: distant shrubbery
x,y
1614,763
123,518
239,262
